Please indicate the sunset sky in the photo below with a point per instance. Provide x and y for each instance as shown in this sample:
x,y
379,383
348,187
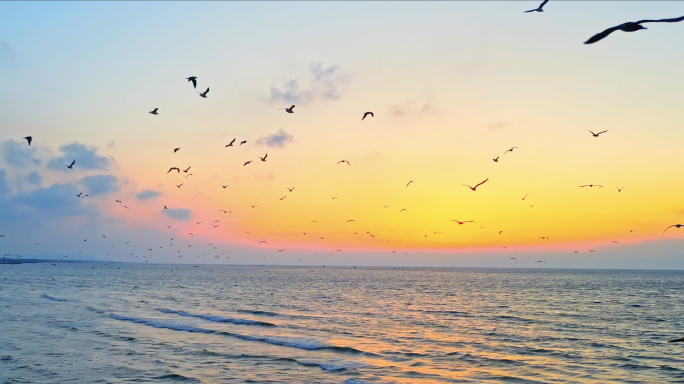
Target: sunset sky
x,y
452,86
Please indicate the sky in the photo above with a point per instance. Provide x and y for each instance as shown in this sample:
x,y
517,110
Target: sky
x,y
452,86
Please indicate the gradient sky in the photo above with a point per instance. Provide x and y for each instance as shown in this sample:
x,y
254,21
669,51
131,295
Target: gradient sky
x,y
452,85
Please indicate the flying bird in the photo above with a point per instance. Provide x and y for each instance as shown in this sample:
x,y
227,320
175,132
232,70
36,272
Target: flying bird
x,y
510,150
631,26
282,198
496,159
512,258
118,201
243,142
544,238
263,158
409,183
79,194
165,207
290,189
596,134
193,79
189,174
71,166
539,9
288,110
179,185
29,139
619,189
154,112
523,198
591,186
204,94
366,114
675,225
173,168
186,170
230,144
462,222
343,161
247,162
224,186
176,150
475,187
540,261
403,209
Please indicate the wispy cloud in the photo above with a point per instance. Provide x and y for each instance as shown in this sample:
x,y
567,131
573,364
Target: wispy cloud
x,y
85,155
493,127
269,177
278,139
148,194
181,214
417,106
322,83
18,154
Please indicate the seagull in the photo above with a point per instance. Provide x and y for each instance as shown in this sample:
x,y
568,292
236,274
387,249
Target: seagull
x,y
409,183
30,138
173,168
539,9
263,241
186,170
496,159
189,174
179,185
71,166
247,162
462,222
675,225
500,232
118,201
540,261
615,242
230,144
104,235
334,198
254,206
343,161
224,186
288,110
596,134
243,142
510,150
190,235
176,150
631,26
591,186
204,95
165,207
193,79
282,198
619,189
84,240
154,112
290,189
280,250
79,194
351,221
263,158
544,238
512,258
403,209
523,198
366,114
475,187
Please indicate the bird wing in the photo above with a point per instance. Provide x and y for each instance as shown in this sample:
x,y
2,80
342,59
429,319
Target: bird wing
x,y
481,183
72,163
543,4
674,20
668,228
232,142
207,91
292,107
194,83
265,156
602,132
602,35
171,169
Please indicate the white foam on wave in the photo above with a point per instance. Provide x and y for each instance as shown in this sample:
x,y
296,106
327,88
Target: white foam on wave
x,y
220,319
160,324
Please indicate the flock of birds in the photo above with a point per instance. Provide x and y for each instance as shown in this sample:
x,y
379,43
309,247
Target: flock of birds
x,y
625,27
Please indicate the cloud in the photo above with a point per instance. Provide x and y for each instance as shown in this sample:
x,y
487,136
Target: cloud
x,y
34,178
100,184
18,154
417,106
4,186
148,194
496,126
277,139
85,155
324,83
181,214
56,200
269,177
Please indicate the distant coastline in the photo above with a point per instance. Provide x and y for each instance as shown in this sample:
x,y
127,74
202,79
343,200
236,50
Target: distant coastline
x,y
38,261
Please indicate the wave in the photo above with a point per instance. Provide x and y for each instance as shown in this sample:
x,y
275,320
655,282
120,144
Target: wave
x,y
53,298
299,343
219,319
256,312
176,377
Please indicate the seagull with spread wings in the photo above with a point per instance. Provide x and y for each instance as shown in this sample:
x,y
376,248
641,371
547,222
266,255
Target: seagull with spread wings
x,y
631,26
597,134
538,9
475,187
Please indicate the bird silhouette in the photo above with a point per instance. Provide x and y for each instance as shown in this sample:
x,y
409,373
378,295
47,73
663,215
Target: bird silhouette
x,y
513,258
403,209
71,166
540,261
204,94
154,112
264,158
475,187
496,159
288,110
186,170
343,161
176,150
193,79
591,186
290,189
179,185
173,168
675,226
631,26
462,222
544,238
79,194
224,186
243,142
619,189
282,198
246,162
596,134
366,114
409,183
231,143
538,9
29,139
523,198
510,150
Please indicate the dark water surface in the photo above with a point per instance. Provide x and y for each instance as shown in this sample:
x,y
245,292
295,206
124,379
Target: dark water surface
x,y
220,324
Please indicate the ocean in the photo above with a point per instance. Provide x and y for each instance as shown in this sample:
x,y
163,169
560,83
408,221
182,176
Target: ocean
x,y
132,323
